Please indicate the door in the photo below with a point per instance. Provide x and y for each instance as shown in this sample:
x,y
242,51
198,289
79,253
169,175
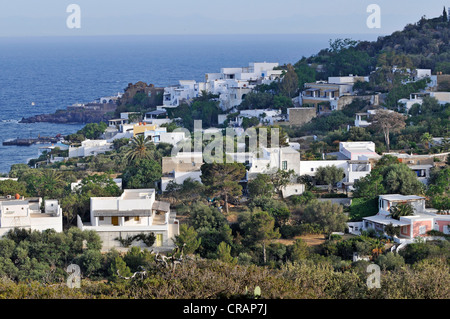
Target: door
x,y
159,239
115,220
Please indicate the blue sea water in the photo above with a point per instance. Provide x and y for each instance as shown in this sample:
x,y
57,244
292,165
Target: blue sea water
x,y
54,72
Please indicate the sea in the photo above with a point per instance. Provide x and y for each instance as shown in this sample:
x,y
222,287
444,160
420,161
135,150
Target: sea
x,y
43,74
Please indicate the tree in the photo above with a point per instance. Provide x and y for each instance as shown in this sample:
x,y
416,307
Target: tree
x,y
119,268
49,184
142,173
305,73
329,175
249,122
328,216
400,179
392,230
188,238
12,187
281,179
119,142
204,216
401,209
439,190
93,131
390,261
395,178
189,191
224,253
426,138
260,229
289,83
444,15
261,186
99,185
222,180
388,122
90,261
299,250
140,148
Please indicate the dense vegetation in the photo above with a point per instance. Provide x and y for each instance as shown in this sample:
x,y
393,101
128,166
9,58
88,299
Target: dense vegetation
x,y
236,237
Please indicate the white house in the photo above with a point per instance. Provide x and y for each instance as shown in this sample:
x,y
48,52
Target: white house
x,y
135,212
231,84
89,148
358,150
270,160
268,116
417,98
353,170
185,91
19,212
177,169
110,99
157,117
416,225
362,118
160,135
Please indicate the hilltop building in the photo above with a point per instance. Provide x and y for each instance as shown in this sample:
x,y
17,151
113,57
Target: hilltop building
x,y
20,212
416,225
135,212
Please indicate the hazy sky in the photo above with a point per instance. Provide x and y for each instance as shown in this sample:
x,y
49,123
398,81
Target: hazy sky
x,y
123,17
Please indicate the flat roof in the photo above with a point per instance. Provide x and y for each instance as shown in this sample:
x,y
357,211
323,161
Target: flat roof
x,y
399,197
386,220
420,166
157,112
137,193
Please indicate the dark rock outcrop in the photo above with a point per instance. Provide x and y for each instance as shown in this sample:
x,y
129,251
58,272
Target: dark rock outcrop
x,y
66,116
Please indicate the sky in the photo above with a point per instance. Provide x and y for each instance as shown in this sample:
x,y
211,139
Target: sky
x,y
31,18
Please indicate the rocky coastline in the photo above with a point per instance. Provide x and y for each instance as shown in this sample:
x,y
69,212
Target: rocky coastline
x,y
70,116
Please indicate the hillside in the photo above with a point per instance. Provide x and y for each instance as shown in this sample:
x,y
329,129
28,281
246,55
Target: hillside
x,y
424,44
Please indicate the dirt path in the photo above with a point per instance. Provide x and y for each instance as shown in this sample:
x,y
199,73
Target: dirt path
x,y
310,239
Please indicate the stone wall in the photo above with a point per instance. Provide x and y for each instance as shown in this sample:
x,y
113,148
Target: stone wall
x,y
301,115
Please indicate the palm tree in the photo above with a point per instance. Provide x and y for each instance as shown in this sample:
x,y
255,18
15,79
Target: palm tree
x,y
140,148
402,209
49,184
426,139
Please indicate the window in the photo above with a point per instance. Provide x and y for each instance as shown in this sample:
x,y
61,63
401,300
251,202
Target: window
x,y
284,165
422,230
312,169
136,218
101,218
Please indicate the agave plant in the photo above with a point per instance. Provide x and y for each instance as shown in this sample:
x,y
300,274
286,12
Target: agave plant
x,y
402,209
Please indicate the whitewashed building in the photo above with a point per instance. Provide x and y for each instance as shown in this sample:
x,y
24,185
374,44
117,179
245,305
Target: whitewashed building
x,y
410,227
160,135
230,84
177,169
90,148
417,98
26,213
135,212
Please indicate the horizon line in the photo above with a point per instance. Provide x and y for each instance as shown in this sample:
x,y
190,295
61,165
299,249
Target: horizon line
x,y
184,35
